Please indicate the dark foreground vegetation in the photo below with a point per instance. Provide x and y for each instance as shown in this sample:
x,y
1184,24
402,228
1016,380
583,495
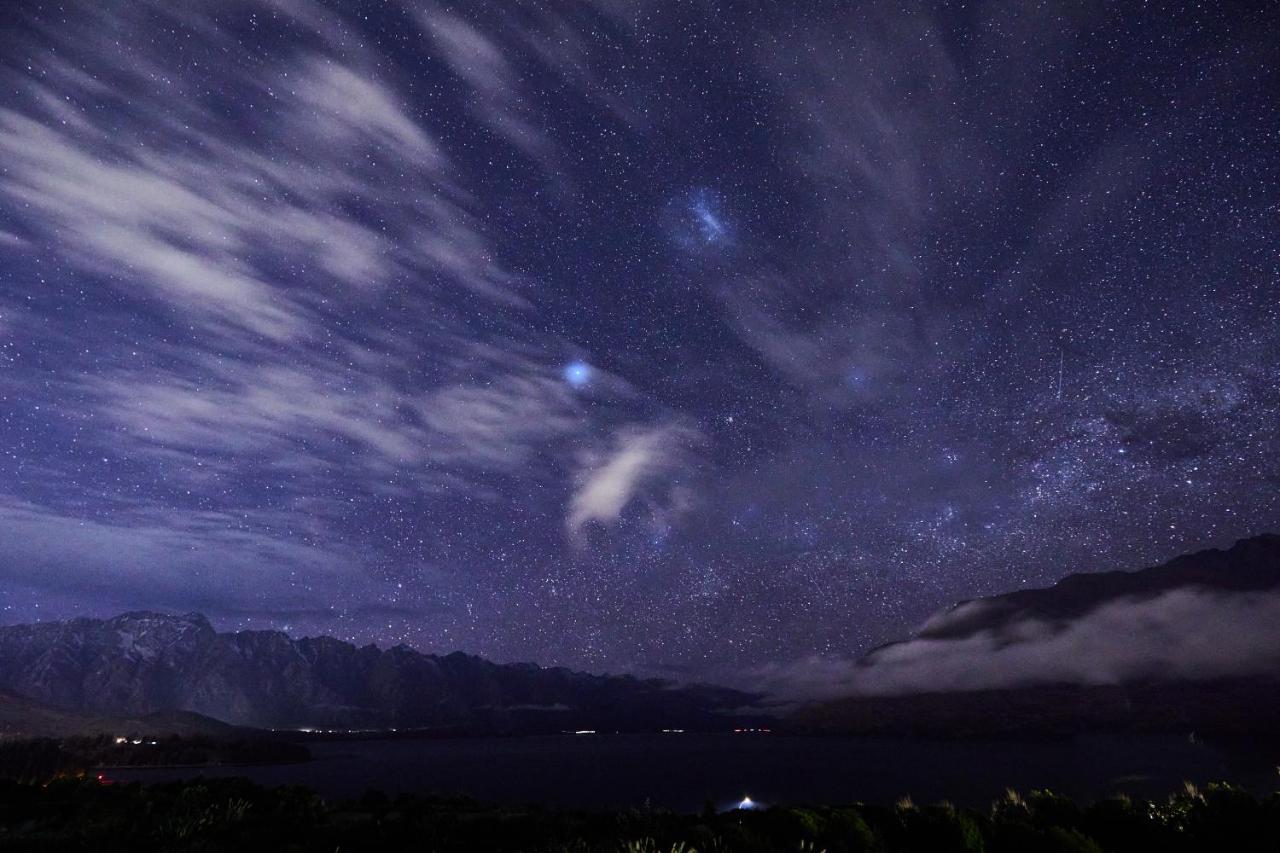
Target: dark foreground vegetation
x,y
237,815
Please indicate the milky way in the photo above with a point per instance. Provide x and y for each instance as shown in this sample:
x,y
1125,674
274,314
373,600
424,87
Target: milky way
x,y
703,340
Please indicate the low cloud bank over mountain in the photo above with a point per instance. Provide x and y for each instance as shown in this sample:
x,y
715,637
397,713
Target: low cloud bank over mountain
x,y
1183,634
1214,614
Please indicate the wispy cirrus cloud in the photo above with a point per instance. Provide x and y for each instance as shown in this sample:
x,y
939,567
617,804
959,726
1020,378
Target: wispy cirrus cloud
x,y
140,219
11,241
178,559
206,223
839,310
252,236
451,436
498,98
302,297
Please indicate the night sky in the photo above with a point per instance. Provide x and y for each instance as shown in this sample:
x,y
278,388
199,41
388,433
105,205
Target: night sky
x,y
697,339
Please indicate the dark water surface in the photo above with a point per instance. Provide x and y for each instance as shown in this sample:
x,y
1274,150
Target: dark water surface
x,y
686,771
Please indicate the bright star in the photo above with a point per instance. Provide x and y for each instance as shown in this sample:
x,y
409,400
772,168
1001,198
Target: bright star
x,y
577,373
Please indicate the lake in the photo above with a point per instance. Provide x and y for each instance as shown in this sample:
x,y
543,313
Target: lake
x,y
686,771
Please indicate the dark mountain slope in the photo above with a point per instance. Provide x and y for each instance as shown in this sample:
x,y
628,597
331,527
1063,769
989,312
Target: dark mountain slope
x,y
21,717
140,663
1251,565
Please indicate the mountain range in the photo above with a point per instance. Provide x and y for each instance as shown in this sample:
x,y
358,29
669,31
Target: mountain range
x,y
144,663
1193,644
1249,566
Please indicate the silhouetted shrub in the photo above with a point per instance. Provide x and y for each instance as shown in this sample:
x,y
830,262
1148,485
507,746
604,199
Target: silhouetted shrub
x,y
237,815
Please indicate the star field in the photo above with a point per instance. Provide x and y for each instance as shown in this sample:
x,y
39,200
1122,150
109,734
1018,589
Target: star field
x,y
695,339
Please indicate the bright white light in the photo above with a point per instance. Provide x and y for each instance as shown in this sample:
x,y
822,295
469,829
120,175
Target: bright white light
x,y
747,803
577,373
